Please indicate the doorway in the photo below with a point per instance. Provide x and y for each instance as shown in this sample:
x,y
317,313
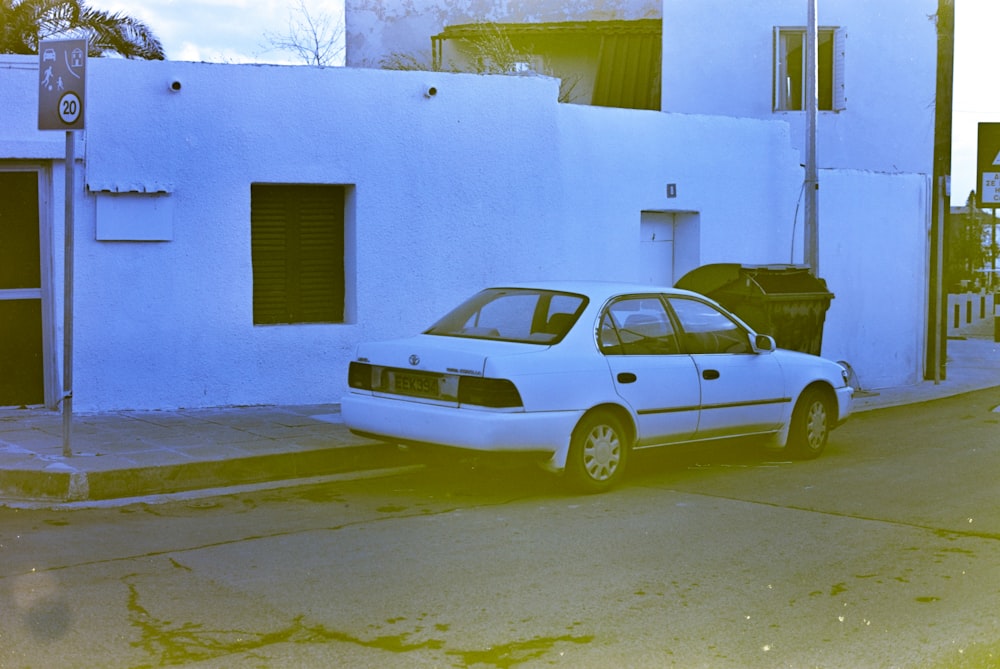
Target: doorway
x,y
22,317
669,245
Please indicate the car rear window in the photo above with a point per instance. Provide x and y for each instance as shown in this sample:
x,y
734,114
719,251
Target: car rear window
x,y
513,314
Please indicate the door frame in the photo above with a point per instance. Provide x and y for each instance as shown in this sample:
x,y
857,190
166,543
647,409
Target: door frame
x,y
50,357
685,237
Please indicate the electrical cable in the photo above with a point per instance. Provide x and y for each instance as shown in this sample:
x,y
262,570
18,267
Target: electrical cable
x,y
795,222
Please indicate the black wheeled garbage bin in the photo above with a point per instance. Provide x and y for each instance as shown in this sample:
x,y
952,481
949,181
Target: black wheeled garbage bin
x,y
784,301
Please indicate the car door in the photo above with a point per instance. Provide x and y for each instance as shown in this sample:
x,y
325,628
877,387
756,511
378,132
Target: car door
x,y
742,391
649,370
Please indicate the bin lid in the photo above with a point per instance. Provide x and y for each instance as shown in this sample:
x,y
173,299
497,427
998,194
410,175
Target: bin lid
x,y
709,278
765,279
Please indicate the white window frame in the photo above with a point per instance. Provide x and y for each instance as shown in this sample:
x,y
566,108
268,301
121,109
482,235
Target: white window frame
x,y
780,86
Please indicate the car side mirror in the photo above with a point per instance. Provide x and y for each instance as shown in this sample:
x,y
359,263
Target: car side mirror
x,y
764,343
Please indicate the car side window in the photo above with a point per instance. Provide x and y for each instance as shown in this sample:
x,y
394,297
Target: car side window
x,y
708,330
637,326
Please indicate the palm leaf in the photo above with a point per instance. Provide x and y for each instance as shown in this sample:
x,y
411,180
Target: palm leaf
x,y
25,23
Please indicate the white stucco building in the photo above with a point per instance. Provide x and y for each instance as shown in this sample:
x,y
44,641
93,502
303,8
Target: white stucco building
x,y
417,189
877,73
877,84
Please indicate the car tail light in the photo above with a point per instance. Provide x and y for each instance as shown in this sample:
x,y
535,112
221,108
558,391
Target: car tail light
x,y
359,375
495,393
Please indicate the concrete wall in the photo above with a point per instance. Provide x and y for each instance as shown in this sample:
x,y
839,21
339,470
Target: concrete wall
x,y
375,29
874,259
489,181
718,59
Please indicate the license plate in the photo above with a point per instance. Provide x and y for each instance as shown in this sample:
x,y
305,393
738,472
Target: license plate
x,y
424,385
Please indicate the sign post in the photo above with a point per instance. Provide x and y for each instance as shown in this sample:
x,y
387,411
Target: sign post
x,y
62,69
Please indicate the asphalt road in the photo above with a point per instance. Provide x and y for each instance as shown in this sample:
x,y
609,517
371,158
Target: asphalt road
x,y
885,552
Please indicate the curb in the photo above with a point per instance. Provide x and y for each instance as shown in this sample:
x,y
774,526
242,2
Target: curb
x,y
70,485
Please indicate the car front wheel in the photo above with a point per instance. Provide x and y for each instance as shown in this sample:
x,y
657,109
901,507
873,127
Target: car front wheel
x,y
598,453
810,426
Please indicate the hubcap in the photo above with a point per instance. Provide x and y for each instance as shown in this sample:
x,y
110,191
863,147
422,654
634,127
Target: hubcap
x,y
602,453
816,424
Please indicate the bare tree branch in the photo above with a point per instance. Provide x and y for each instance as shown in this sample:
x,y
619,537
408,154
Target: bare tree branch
x,y
315,38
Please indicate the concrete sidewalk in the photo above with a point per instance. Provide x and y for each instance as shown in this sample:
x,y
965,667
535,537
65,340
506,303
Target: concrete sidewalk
x,y
973,363
136,453
127,454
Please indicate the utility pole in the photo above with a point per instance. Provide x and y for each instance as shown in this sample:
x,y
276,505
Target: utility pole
x,y
939,336
937,326
811,233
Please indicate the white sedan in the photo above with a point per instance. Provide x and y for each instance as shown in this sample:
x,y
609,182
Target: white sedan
x,y
583,373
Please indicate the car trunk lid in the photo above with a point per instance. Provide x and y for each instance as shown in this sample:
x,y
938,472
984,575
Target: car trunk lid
x,y
437,369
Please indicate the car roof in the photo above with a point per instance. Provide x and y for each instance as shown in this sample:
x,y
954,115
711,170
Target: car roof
x,y
599,290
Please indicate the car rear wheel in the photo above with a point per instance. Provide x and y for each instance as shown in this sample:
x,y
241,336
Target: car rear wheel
x,y
810,426
598,453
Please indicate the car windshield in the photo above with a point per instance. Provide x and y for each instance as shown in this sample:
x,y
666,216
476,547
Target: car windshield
x,y
513,314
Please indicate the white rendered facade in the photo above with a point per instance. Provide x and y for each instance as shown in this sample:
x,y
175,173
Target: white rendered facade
x,y
490,180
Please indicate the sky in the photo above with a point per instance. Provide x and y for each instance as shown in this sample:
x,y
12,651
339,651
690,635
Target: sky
x,y
221,31
235,31
976,88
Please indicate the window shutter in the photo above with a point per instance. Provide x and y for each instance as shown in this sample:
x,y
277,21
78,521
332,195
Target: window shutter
x,y
321,255
297,253
839,58
268,253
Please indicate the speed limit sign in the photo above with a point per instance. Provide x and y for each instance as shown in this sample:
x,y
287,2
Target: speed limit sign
x,y
62,69
70,108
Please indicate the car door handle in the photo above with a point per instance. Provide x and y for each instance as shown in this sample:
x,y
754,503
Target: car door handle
x,y
627,377
710,374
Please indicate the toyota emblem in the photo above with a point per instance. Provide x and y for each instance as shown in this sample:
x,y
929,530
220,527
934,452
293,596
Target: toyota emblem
x,y
414,359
